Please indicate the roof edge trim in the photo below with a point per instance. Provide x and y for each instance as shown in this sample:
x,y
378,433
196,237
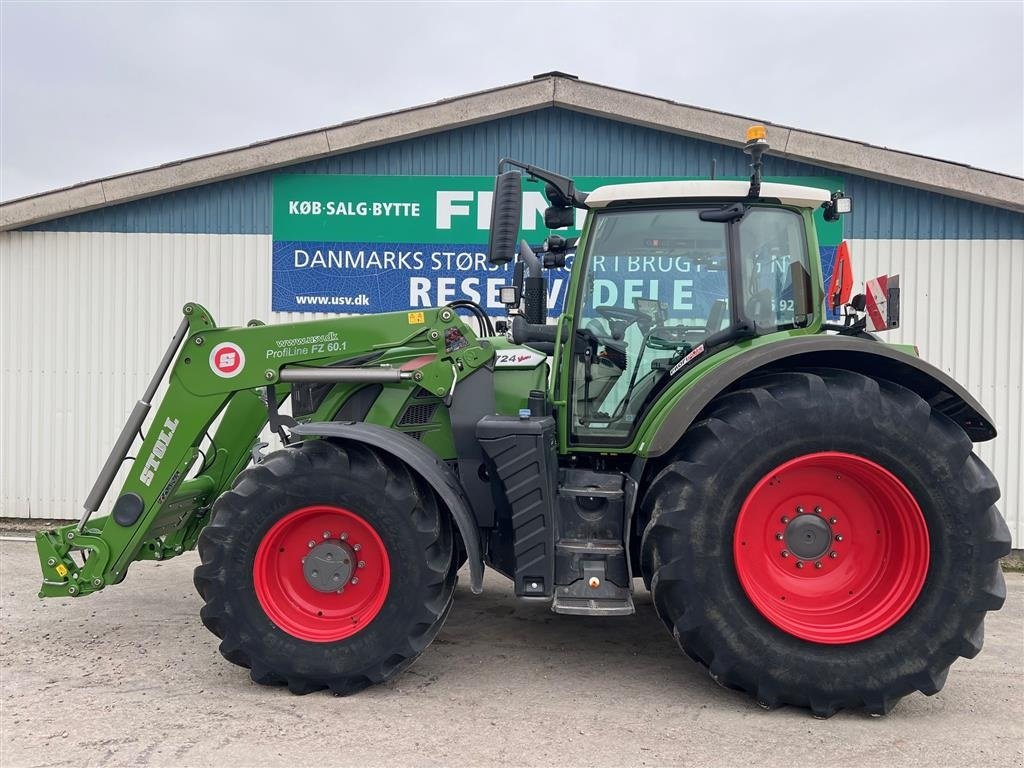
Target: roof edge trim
x,y
894,166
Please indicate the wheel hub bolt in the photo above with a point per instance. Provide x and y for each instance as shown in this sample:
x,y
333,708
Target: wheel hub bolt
x,y
784,553
778,536
312,543
839,537
357,547
344,536
799,510
817,510
327,534
785,519
817,563
833,554
355,580
362,564
799,563
833,520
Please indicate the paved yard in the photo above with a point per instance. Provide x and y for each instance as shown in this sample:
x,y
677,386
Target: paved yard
x,y
131,677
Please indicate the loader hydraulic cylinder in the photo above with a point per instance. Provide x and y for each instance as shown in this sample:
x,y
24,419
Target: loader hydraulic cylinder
x,y
131,428
339,375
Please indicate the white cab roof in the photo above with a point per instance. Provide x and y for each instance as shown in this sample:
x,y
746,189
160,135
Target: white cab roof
x,y
787,194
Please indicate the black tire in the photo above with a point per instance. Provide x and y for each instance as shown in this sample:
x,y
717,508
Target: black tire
x,y
414,528
693,502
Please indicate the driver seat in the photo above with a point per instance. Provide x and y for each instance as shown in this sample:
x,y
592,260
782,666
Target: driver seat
x,y
716,315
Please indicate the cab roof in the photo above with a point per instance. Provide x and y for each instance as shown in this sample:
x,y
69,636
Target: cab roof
x,y
787,194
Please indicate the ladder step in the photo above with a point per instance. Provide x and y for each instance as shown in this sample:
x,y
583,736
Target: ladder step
x,y
597,493
607,547
583,606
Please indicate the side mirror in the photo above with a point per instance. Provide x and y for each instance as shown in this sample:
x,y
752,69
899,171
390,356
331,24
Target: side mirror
x,y
506,214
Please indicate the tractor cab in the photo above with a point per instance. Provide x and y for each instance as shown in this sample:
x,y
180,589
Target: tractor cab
x,y
665,275
662,283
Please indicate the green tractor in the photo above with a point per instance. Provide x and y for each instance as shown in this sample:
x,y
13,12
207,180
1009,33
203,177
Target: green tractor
x,y
801,499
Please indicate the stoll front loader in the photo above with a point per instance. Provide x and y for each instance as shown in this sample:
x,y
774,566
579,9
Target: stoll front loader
x,y
800,498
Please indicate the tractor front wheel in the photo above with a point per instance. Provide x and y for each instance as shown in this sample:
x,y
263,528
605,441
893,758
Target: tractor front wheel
x,y
826,540
327,566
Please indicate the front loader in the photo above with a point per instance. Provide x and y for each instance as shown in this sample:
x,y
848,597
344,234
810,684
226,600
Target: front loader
x,y
800,498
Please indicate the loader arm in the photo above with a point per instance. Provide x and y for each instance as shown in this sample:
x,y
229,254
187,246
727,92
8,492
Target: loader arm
x,y
231,373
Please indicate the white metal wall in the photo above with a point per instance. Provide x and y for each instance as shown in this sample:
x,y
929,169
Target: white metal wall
x,y
961,306
84,318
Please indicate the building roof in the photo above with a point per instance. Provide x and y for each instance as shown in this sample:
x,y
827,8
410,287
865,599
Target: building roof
x,y
552,89
787,194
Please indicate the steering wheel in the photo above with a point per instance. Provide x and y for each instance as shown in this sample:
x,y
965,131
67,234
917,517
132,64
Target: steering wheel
x,y
624,315
620,319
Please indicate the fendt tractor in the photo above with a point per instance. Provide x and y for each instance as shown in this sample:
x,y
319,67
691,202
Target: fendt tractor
x,y
800,498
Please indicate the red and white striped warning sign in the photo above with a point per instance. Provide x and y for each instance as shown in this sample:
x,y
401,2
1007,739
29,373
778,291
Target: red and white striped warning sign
x,y
877,293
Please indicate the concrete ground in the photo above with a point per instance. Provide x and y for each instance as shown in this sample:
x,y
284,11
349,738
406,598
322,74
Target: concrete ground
x,y
131,677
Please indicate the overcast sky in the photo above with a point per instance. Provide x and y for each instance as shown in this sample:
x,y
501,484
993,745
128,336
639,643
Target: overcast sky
x,y
90,90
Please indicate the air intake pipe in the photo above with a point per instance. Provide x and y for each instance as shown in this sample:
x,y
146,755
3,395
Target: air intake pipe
x,y
535,288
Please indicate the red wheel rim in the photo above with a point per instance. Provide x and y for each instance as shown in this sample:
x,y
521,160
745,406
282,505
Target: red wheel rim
x,y
284,587
831,548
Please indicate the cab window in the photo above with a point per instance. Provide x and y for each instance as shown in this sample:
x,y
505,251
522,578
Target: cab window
x,y
656,284
771,241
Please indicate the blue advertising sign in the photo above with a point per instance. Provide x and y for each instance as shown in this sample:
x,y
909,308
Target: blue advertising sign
x,y
367,244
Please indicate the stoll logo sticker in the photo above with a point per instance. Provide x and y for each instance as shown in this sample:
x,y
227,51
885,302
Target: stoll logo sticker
x,y
227,360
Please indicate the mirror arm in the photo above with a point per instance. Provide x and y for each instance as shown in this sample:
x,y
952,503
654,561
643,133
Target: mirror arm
x,y
565,186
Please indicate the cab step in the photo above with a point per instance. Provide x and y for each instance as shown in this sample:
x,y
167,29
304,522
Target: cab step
x,y
592,606
594,594
592,571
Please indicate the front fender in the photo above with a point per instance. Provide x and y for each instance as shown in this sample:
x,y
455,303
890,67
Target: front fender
x,y
424,463
866,356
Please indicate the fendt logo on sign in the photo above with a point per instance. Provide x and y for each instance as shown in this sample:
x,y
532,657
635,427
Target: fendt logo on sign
x,y
227,360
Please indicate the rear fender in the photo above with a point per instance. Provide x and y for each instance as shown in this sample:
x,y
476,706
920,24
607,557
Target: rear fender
x,y
871,358
424,463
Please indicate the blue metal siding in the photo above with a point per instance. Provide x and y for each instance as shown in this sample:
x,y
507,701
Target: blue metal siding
x,y
568,142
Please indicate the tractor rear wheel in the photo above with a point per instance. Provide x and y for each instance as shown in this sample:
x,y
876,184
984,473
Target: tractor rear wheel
x,y
326,566
822,539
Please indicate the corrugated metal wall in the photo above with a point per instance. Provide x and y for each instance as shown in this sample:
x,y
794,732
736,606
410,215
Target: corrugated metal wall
x,y
87,303
961,307
564,141
86,315
85,318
